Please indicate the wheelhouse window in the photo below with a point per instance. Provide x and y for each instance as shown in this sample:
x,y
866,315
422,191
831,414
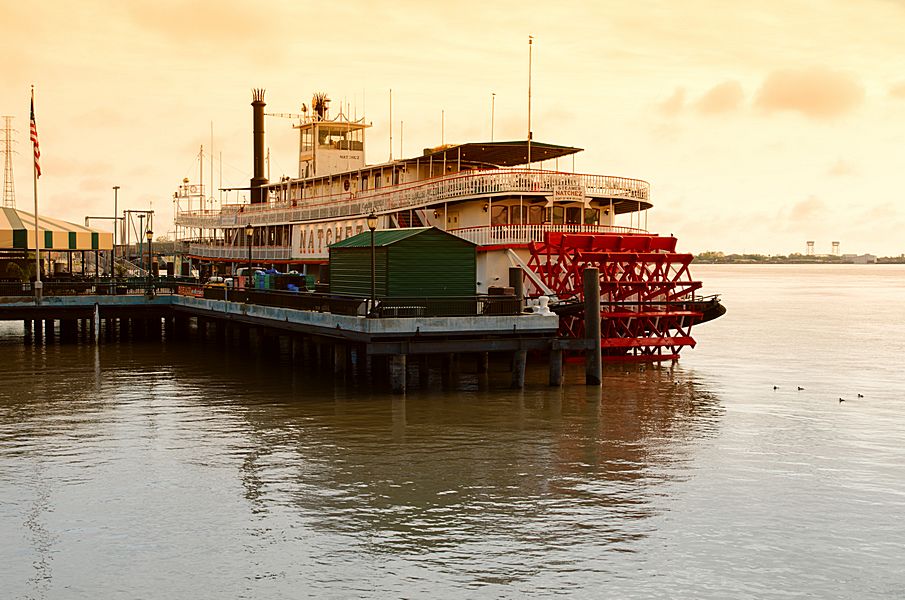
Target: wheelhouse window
x,y
307,140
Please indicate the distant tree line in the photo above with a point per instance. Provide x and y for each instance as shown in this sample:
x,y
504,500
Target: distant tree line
x,y
713,257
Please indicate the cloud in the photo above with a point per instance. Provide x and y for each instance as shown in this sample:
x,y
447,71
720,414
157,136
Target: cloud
x,y
805,210
674,104
898,90
721,98
815,92
841,168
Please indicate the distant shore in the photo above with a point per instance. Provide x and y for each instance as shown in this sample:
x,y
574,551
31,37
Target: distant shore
x,y
796,259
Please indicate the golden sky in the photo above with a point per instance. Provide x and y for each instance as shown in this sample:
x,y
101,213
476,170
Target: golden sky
x,y
760,125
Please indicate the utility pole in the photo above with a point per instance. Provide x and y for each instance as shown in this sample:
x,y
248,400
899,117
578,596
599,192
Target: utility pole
x,y
9,187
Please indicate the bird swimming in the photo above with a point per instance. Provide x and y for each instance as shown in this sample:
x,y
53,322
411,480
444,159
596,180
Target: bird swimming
x,y
800,388
860,395
841,399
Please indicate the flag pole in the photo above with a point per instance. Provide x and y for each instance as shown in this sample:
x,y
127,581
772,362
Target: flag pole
x,y
34,142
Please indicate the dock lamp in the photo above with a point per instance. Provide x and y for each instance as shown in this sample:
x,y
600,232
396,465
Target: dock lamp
x,y
149,235
249,233
372,225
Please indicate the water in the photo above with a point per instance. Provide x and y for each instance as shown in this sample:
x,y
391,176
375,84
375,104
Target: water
x,y
174,471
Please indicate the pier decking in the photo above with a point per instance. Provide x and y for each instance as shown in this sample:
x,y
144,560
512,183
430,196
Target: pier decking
x,y
337,335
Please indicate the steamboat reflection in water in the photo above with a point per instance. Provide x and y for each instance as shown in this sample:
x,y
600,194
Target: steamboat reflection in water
x,y
464,479
482,462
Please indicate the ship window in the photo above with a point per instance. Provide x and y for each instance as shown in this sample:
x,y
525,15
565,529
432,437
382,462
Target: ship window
x,y
518,215
306,140
364,182
499,215
558,215
535,215
591,216
573,215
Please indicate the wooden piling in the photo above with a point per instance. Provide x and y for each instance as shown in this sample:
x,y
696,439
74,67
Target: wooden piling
x,y
556,367
397,373
593,355
519,359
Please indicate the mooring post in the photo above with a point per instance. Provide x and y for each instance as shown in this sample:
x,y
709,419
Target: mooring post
x,y
517,283
397,373
519,358
556,366
447,369
483,361
339,360
423,371
593,357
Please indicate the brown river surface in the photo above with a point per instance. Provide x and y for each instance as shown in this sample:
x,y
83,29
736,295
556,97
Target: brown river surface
x,y
182,470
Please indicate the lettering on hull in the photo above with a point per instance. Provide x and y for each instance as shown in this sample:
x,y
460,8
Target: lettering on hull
x,y
315,239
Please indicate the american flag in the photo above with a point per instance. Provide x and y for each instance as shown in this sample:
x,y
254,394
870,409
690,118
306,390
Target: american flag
x,y
34,139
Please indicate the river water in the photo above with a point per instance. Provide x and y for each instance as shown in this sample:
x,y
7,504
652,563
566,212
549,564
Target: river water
x,y
152,470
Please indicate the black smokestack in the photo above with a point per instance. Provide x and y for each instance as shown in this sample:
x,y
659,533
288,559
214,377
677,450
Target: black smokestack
x,y
258,193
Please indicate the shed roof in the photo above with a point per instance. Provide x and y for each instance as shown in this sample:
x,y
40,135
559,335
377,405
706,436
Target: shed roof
x,y
13,220
387,237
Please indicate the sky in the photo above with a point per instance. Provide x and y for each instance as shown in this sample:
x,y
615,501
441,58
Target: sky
x,y
759,125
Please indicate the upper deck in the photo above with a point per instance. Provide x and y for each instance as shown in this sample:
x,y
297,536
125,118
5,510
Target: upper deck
x,y
289,203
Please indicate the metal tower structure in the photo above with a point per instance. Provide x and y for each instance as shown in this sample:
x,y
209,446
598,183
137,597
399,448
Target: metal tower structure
x,y
9,187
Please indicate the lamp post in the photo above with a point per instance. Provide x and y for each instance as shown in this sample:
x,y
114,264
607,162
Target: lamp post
x,y
249,233
372,225
115,226
149,235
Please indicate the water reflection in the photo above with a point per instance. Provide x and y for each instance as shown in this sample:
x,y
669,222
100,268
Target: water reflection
x,y
484,485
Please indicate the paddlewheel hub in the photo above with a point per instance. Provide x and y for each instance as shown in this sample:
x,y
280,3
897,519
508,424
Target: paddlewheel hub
x,y
647,294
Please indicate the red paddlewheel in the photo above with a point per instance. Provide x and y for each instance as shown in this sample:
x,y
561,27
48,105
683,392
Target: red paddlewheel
x,y
646,290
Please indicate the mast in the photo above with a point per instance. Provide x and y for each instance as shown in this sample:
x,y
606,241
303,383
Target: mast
x,y
530,44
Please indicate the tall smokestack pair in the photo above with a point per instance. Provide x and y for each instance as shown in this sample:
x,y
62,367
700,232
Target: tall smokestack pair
x,y
258,193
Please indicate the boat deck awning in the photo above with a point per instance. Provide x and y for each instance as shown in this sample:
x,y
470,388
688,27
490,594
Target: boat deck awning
x,y
17,233
501,154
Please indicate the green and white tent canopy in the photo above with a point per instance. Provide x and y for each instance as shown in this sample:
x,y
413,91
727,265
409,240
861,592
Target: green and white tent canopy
x,y
17,232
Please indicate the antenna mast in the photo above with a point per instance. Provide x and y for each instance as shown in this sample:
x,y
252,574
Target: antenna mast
x,y
9,187
391,124
530,44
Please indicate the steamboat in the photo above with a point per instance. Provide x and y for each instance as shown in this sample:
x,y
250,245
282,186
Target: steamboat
x,y
512,199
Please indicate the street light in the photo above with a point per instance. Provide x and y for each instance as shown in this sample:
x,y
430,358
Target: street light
x,y
149,235
249,232
372,225
115,226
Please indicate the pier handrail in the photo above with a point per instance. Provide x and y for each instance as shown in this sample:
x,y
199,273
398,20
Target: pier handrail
x,y
415,194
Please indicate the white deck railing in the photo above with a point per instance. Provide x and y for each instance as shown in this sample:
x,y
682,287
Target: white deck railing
x,y
496,235
239,253
422,193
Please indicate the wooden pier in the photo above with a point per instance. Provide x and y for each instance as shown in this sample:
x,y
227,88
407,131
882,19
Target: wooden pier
x,y
393,343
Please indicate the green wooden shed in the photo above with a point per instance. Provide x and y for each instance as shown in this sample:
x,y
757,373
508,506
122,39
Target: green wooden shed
x,y
422,262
